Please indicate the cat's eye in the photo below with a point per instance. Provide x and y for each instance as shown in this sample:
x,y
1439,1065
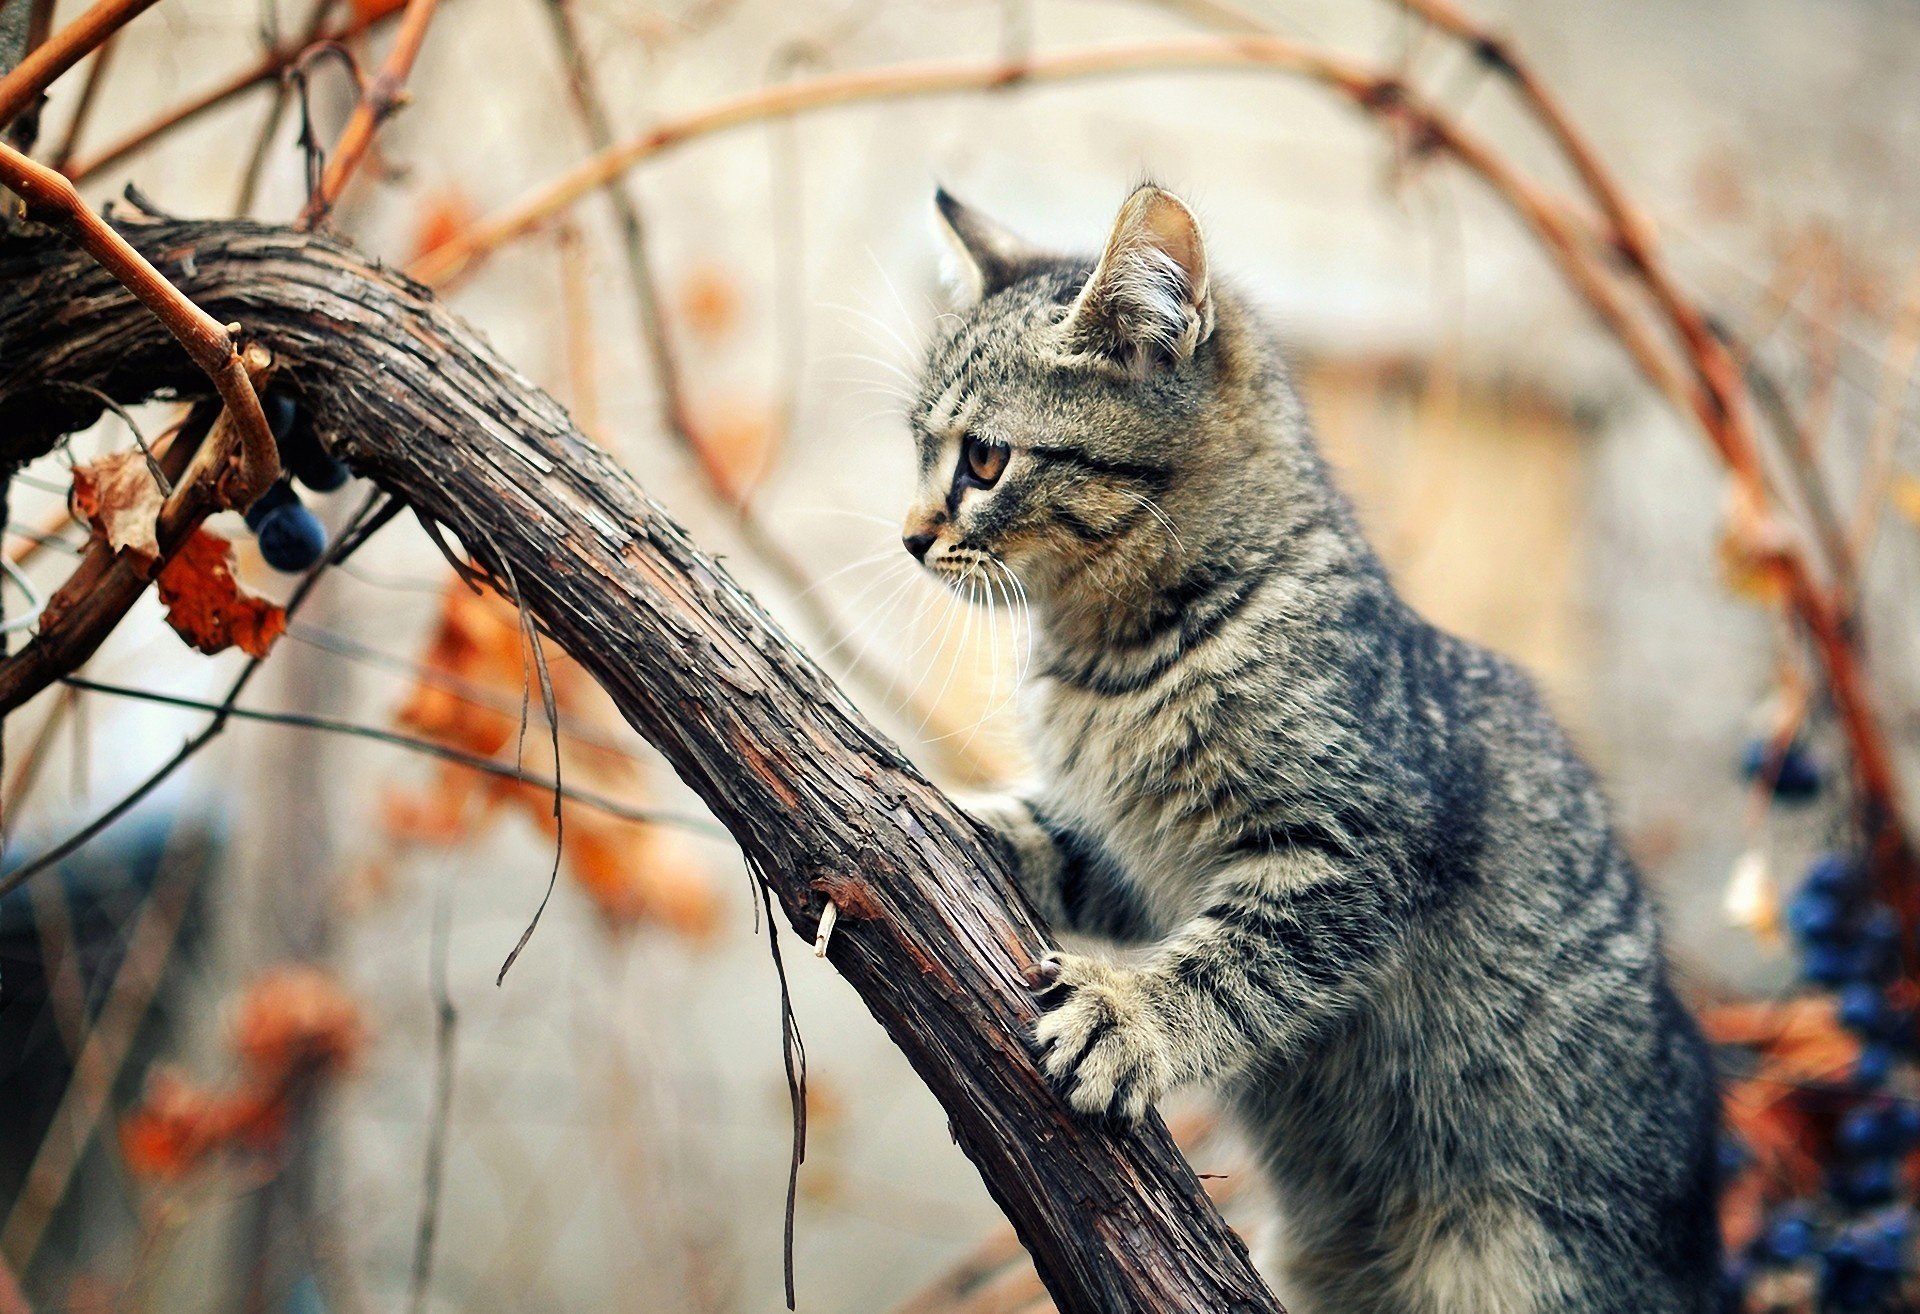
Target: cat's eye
x,y
984,461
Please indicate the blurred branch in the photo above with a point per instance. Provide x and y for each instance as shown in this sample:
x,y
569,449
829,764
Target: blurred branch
x,y
82,111
382,98
108,1041
931,932
34,74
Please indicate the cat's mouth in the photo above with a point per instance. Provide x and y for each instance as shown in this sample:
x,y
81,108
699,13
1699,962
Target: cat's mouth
x,y
980,576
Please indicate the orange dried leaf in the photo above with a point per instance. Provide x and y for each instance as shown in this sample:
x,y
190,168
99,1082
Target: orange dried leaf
x,y
117,495
709,302
735,440
1904,493
207,605
296,1019
369,11
447,214
174,1128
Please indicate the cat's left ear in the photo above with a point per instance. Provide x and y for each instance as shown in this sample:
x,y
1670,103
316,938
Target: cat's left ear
x,y
1148,304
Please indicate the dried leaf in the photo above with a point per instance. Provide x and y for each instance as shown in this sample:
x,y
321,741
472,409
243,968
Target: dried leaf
x,y
117,495
737,438
1904,493
469,697
296,1019
447,214
178,1125
207,605
709,302
369,11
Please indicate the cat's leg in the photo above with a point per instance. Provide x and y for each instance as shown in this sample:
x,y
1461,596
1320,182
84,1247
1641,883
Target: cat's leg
x,y
1070,881
1285,944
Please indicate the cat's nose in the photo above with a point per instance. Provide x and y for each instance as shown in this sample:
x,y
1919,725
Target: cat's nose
x,y
918,545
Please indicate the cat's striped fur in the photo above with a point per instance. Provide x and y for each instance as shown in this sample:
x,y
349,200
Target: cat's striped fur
x,y
1385,907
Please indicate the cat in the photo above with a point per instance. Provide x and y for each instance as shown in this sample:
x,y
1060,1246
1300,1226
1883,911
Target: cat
x,y
1379,899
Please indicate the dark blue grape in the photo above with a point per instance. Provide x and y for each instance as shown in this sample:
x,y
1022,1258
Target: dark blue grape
x,y
1790,1238
1885,1239
276,496
1824,963
1865,1130
1815,914
1903,1123
281,411
1869,1182
1796,777
1874,1065
1864,1009
1831,872
291,537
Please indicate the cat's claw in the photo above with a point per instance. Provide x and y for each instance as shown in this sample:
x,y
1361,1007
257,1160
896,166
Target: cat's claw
x,y
1100,1040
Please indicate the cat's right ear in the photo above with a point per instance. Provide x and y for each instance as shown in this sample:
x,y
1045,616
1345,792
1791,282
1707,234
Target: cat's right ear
x,y
987,257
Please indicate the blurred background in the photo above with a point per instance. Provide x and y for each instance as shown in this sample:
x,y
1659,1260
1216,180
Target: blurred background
x,y
252,1053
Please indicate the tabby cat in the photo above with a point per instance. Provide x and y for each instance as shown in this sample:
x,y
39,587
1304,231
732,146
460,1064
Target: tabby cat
x,y
1380,902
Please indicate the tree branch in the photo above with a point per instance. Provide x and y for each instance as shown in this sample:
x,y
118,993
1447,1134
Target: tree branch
x,y
930,929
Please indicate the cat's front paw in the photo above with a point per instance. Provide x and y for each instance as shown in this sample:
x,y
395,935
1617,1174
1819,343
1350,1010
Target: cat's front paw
x,y
1100,1040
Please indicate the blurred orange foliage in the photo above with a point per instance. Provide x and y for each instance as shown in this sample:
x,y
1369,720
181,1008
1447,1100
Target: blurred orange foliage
x,y
448,212
295,1029
1783,1109
709,301
477,669
736,440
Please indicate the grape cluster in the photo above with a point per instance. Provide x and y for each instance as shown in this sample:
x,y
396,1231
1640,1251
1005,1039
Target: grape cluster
x,y
291,537
1856,1241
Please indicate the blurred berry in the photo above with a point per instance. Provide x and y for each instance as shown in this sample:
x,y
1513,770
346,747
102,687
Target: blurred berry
x,y
1869,1182
1815,914
1874,1065
1831,872
1790,1238
1864,1010
277,496
1796,776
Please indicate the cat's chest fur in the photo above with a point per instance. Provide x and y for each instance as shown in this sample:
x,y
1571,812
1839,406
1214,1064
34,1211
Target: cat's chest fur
x,y
1150,774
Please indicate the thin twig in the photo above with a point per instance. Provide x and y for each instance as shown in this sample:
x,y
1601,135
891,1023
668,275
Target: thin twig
x,y
414,744
446,1023
384,95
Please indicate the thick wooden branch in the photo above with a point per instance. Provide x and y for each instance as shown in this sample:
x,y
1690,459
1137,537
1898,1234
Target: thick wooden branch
x,y
929,930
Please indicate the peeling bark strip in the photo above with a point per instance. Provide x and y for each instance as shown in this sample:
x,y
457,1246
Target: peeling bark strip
x,y
931,933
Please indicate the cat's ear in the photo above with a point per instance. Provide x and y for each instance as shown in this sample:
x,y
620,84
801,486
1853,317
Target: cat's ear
x,y
1147,304
987,257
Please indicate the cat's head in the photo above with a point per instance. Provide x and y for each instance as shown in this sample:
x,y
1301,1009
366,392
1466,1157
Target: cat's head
x,y
1066,405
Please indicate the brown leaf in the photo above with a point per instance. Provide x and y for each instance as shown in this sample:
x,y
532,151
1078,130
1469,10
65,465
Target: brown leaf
x,y
207,605
117,495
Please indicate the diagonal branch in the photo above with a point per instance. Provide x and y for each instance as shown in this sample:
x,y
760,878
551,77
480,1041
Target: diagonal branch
x,y
34,74
930,929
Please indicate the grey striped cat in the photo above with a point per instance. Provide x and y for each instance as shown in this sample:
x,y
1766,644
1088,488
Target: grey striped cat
x,y
1378,897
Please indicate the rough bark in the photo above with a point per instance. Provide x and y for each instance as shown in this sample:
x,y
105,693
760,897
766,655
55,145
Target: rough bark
x,y
930,931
